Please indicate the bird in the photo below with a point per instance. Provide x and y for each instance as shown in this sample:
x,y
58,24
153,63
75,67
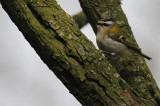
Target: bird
x,y
112,41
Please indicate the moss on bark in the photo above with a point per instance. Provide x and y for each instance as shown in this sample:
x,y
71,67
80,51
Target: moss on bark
x,y
72,57
133,69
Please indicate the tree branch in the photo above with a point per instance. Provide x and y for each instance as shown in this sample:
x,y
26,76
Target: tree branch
x,y
67,52
70,55
80,19
134,69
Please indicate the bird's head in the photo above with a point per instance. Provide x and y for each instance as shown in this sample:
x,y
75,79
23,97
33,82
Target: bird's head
x,y
105,24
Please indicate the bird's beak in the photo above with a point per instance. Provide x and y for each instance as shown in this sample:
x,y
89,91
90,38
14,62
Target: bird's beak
x,y
99,23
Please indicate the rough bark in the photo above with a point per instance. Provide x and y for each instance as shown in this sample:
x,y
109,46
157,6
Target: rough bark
x,y
134,69
74,59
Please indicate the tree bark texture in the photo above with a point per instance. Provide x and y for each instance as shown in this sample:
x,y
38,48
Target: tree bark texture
x,y
133,70
87,74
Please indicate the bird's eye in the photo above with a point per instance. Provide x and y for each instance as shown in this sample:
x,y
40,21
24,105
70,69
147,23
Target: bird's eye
x,y
105,24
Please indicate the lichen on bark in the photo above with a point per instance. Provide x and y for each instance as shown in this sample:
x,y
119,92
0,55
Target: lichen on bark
x,y
134,69
87,74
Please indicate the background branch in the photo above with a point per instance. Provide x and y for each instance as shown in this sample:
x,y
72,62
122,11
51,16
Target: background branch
x,y
80,19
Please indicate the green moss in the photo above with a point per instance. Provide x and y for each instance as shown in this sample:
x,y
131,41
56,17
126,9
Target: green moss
x,y
73,58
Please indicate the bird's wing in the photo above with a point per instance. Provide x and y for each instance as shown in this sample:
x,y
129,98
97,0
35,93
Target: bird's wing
x,y
124,41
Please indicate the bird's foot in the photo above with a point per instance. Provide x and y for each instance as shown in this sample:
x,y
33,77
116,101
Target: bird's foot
x,y
106,52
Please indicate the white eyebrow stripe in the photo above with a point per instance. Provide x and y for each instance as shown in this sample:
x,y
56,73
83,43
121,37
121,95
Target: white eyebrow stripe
x,y
109,22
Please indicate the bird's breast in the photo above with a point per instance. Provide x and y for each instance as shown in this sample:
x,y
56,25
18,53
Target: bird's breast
x,y
107,44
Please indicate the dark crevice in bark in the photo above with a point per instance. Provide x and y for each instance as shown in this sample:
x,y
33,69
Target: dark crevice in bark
x,y
38,17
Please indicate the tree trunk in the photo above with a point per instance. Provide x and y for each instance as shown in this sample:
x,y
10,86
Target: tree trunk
x,y
133,70
92,79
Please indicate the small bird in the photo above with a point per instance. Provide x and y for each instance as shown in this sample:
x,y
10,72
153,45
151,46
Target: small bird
x,y
112,42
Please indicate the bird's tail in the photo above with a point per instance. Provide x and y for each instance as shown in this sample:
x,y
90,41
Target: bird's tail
x,y
145,56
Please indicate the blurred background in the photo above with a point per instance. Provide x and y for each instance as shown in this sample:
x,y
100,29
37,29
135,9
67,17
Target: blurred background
x,y
26,81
